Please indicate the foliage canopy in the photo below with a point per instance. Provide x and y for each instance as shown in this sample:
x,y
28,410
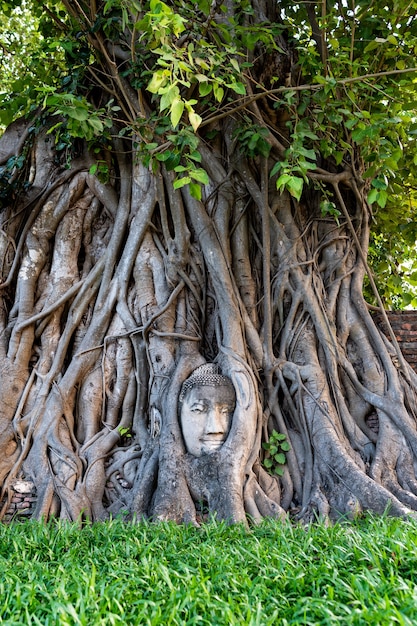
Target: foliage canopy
x,y
359,91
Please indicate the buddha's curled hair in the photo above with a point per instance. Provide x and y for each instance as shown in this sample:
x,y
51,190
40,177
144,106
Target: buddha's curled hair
x,y
207,375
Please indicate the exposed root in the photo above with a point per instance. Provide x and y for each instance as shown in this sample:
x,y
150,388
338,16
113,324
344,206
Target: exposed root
x,y
112,294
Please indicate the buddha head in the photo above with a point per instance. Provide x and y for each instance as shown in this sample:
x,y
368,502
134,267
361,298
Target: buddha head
x,y
207,402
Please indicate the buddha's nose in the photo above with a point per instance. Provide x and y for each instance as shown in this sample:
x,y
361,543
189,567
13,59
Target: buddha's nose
x,y
214,424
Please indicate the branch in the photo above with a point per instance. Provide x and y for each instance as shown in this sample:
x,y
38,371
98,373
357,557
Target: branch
x,y
246,100
266,270
317,33
44,313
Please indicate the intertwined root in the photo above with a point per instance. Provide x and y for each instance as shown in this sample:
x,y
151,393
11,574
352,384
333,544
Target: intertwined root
x,y
112,293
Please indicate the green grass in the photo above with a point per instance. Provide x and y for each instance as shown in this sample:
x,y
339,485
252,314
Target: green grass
x,y
116,573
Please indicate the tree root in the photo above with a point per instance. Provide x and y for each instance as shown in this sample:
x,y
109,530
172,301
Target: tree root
x,y
112,294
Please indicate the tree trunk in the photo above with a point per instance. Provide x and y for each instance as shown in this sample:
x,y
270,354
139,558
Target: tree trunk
x,y
114,292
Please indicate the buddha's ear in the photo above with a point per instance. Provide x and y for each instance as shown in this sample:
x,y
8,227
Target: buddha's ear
x,y
243,389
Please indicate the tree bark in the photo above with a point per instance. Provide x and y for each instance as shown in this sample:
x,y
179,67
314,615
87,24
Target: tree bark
x,y
113,293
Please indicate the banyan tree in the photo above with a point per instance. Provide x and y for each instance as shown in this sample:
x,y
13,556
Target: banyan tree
x,y
186,219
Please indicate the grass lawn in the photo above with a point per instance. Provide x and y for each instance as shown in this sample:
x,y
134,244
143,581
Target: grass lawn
x,y
362,573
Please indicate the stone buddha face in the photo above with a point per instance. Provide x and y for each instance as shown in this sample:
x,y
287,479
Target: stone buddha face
x,y
207,403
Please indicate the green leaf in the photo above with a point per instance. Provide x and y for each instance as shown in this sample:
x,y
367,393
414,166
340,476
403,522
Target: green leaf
x,y
382,198
235,64
200,175
309,134
172,161
280,458
158,80
350,123
283,181
181,182
278,436
177,109
372,196
195,156
359,134
163,156
293,184
374,44
195,190
250,39
238,87
195,120
268,463
204,6
285,446
253,140
277,166
80,114
308,154
218,92
204,89
96,124
169,95
379,184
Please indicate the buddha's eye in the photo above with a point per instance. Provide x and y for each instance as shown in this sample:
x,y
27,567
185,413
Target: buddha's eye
x,y
197,409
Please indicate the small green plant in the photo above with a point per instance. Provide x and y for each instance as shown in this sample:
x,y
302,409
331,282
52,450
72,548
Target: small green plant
x,y
125,432
276,449
101,170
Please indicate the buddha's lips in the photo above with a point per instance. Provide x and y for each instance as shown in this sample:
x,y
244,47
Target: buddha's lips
x,y
212,441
